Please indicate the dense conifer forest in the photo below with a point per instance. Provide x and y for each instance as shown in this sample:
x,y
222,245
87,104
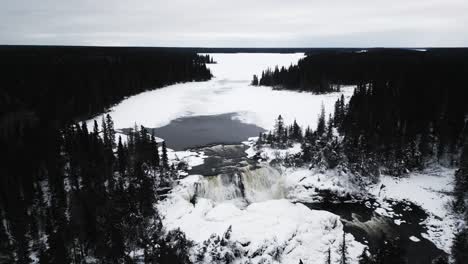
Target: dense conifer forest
x,y
69,193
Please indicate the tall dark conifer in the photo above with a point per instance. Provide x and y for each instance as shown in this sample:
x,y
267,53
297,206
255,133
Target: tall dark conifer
x,y
321,122
110,130
164,158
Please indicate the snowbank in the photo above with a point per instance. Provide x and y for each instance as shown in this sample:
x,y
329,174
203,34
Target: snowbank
x,y
305,185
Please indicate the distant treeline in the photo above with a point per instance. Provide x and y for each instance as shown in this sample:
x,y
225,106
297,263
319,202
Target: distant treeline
x,y
69,195
288,78
319,70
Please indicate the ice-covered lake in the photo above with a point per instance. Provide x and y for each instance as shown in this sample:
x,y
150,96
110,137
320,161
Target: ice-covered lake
x,y
227,97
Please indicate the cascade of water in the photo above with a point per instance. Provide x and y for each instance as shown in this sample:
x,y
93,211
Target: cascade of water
x,y
256,185
264,183
220,188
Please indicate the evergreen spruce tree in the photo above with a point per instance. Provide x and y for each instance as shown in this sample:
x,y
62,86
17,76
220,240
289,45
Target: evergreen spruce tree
x,y
105,132
164,158
330,127
296,131
95,129
308,135
121,157
255,80
321,123
110,130
279,128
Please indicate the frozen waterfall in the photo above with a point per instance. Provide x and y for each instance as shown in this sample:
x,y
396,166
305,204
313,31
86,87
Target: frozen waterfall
x,y
260,184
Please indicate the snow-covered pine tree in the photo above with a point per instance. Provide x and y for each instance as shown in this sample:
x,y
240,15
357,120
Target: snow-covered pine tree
x,y
321,122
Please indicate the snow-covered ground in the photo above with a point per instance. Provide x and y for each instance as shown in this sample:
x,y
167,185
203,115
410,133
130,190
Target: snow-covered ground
x,y
263,228
228,92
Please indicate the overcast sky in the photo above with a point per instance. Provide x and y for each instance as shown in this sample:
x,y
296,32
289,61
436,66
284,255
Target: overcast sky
x,y
236,23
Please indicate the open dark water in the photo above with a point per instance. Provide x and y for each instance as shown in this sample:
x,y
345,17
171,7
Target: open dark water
x,y
194,131
368,227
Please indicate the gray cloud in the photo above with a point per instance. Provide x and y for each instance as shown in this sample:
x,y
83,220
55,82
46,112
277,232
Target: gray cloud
x,y
240,23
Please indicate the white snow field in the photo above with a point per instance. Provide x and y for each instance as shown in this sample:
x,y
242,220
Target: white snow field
x,y
228,92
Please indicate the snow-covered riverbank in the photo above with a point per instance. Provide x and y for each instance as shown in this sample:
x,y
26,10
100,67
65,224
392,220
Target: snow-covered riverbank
x,y
431,189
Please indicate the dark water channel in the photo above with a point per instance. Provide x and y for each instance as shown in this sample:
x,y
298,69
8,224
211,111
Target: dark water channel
x,y
370,228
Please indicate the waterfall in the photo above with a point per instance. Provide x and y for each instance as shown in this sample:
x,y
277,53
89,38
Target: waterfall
x,y
260,184
264,183
220,188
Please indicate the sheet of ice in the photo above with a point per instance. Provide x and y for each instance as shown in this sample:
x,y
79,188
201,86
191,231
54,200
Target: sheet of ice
x,y
305,234
228,92
431,189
